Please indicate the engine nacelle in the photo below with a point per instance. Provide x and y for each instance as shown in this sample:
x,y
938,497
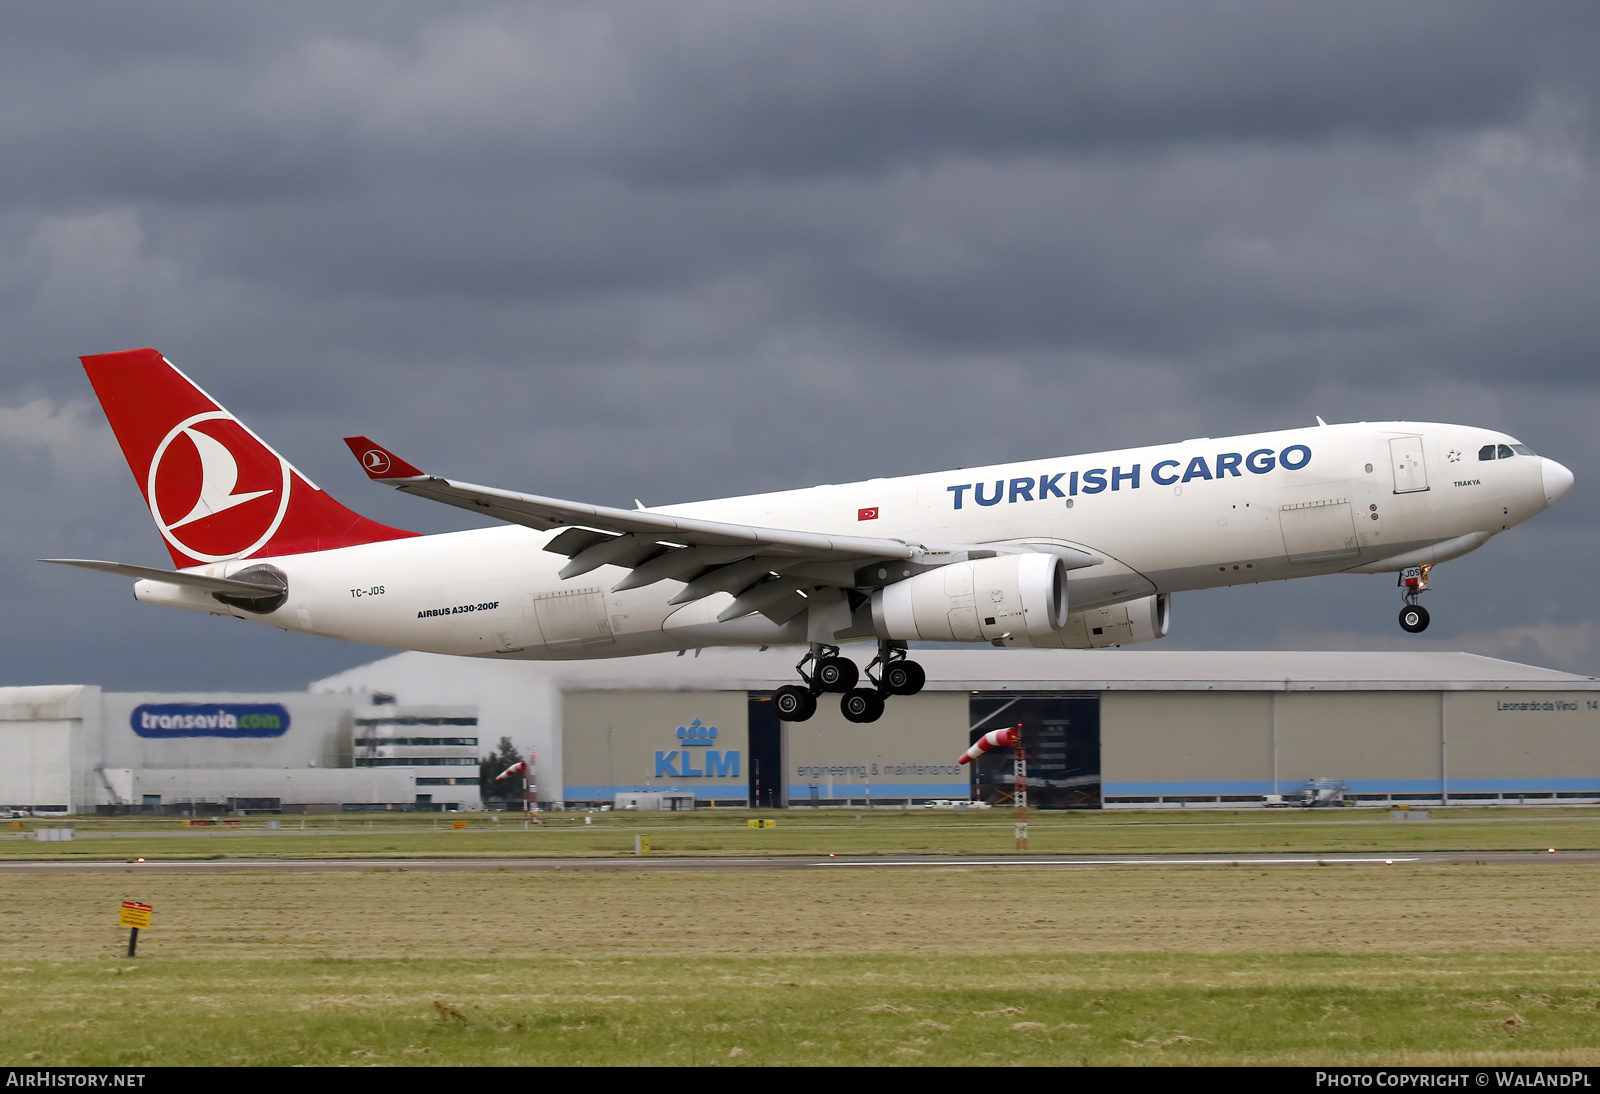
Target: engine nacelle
x,y
976,601
1142,620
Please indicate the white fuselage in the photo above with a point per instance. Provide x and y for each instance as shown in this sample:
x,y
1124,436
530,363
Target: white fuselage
x,y
1193,515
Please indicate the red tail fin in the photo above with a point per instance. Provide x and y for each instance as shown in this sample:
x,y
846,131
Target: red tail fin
x,y
215,489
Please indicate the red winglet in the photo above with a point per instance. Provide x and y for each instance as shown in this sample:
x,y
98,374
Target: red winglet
x,y
378,462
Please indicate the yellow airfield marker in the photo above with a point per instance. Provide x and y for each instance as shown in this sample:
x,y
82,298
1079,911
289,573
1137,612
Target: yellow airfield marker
x,y
134,916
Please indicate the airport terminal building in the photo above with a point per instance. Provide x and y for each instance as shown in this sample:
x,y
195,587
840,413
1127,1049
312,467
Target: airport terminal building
x,y
1103,729
78,749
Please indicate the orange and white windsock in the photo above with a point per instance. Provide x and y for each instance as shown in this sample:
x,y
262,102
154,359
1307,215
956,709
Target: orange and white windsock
x,y
999,738
515,769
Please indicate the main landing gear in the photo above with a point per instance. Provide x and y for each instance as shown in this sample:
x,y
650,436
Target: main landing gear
x,y
823,669
1414,617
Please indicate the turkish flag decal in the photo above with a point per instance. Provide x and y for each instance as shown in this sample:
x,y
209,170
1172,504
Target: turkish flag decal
x,y
867,514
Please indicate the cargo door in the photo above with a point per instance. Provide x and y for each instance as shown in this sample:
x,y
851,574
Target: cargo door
x,y
573,618
1405,458
1314,531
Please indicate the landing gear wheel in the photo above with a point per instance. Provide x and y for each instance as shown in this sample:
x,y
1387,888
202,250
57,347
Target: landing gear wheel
x,y
794,703
1414,618
903,678
861,705
835,674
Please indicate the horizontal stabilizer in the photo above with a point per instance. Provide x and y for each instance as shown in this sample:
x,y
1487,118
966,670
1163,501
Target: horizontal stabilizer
x,y
245,590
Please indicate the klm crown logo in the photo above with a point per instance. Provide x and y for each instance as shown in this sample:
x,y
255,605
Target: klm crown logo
x,y
680,762
696,734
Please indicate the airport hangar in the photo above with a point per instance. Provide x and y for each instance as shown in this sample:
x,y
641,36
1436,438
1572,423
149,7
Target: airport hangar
x,y
1125,728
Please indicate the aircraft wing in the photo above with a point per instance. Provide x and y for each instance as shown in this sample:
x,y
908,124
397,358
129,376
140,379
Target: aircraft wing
x,y
766,569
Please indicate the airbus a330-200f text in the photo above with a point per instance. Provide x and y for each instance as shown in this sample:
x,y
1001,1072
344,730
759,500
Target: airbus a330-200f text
x,y
1063,552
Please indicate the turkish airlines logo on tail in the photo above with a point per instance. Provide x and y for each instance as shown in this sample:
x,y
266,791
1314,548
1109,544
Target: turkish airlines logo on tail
x,y
376,461
215,490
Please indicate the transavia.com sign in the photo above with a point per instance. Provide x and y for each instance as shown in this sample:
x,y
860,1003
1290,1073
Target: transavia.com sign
x,y
210,720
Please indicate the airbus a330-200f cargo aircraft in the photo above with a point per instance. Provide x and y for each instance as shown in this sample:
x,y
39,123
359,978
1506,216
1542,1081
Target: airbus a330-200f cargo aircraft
x,y
1064,552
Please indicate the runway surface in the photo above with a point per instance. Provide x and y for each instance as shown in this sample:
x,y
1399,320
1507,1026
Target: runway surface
x,y
802,862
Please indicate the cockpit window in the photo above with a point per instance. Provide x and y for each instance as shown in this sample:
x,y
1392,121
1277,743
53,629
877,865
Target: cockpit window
x,y
1486,452
1522,449
1505,452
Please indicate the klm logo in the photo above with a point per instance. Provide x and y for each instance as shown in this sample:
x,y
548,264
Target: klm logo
x,y
1069,484
679,764
724,765
696,734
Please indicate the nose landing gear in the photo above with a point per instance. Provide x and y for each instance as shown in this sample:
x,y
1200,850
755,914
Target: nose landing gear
x,y
823,669
1414,617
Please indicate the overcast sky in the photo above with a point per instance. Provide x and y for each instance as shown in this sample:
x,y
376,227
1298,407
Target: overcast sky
x,y
676,251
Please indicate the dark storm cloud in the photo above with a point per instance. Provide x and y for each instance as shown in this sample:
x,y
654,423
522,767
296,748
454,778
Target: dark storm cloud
x,y
212,107
676,251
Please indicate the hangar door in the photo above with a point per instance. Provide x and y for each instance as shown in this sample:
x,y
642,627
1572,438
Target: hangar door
x,y
1061,732
766,753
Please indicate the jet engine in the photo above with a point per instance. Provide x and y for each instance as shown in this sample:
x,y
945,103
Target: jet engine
x,y
1142,620
980,600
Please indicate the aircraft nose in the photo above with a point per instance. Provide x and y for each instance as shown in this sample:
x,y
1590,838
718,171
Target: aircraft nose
x,y
1557,480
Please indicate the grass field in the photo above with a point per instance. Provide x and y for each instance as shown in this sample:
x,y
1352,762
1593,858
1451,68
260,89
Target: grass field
x,y
1314,965
825,831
